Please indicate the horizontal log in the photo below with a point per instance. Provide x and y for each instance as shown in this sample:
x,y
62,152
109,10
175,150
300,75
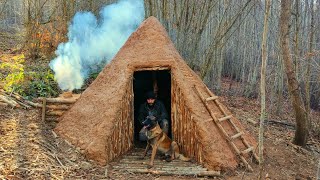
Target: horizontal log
x,y
24,104
142,68
10,94
158,162
34,104
53,107
58,107
209,173
168,173
55,113
3,104
16,98
159,167
59,100
9,101
52,118
281,123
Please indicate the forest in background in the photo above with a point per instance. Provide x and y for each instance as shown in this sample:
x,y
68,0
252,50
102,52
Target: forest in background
x,y
219,39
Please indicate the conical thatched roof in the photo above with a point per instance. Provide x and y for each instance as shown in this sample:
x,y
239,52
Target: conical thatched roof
x,y
101,121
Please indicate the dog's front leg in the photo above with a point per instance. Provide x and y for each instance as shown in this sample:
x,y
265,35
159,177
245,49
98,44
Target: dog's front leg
x,y
146,150
154,152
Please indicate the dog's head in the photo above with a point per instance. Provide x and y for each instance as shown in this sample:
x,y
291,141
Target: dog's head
x,y
149,123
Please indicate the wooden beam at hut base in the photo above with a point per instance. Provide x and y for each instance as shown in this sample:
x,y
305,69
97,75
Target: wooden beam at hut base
x,y
174,172
59,100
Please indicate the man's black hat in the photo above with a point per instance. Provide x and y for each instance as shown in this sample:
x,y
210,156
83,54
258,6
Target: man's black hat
x,y
150,95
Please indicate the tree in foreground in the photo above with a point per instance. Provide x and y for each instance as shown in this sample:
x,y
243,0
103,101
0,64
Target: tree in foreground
x,y
302,123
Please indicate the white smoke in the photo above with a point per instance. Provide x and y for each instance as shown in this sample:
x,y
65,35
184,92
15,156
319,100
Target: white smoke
x,y
94,42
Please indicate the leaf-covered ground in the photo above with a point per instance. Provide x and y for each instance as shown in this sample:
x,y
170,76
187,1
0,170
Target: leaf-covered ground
x,y
29,149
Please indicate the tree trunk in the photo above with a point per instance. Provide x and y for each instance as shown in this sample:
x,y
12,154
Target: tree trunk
x,y
263,85
301,133
308,76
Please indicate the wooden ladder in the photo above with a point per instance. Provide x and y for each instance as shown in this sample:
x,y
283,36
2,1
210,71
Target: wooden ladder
x,y
227,118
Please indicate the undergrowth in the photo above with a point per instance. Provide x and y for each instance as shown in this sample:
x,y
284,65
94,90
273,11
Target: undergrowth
x,y
28,81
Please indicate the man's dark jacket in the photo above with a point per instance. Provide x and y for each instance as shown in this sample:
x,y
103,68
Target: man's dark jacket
x,y
158,110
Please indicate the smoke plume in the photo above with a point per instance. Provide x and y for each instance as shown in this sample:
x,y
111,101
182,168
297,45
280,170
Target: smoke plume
x,y
92,42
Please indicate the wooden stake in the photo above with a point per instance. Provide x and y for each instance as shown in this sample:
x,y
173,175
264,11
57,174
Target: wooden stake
x,y
44,102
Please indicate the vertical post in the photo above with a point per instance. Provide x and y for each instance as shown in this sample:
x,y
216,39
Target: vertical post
x,y
263,85
155,83
44,102
318,173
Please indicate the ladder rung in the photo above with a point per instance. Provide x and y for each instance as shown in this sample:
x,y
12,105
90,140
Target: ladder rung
x,y
247,150
208,120
225,118
237,135
212,98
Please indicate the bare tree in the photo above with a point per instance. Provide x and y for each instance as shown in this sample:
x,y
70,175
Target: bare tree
x,y
309,58
301,133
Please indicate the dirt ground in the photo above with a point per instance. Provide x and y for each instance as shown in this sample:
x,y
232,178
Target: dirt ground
x,y
29,149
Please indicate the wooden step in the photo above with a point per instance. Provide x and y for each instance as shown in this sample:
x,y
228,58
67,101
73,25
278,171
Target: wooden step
x,y
225,118
236,135
212,98
247,150
132,163
168,173
208,120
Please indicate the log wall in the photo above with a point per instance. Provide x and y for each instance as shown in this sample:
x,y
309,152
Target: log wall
x,y
121,138
183,125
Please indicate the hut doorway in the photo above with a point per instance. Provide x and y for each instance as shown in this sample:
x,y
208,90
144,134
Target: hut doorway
x,y
158,81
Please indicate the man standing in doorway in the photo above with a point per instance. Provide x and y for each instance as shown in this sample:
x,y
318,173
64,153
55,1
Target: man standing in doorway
x,y
155,110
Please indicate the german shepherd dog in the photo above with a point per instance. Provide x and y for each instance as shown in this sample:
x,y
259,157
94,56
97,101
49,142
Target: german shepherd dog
x,y
158,140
